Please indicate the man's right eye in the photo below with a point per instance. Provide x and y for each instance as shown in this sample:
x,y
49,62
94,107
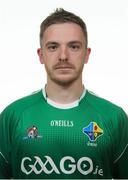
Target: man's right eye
x,y
52,47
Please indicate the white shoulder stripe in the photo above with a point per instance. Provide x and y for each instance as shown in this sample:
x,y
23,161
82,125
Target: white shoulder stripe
x,y
3,157
121,154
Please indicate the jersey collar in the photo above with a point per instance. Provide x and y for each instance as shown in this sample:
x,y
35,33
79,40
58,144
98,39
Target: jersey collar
x,y
63,106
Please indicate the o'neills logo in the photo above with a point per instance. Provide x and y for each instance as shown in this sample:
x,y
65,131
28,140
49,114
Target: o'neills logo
x,y
84,165
61,123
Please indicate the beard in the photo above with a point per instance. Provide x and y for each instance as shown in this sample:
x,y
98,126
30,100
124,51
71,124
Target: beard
x,y
64,77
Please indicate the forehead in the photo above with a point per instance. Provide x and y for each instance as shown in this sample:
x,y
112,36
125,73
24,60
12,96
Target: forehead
x,y
64,32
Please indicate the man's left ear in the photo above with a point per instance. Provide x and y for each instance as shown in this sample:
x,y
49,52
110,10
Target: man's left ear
x,y
88,51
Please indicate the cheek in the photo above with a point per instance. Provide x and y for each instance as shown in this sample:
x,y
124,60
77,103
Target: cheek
x,y
49,63
50,58
78,59
77,55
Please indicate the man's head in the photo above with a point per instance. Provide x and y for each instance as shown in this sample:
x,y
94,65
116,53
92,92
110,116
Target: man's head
x,y
62,16
64,51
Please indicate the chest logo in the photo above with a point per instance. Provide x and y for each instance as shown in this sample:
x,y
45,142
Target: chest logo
x,y
32,133
93,131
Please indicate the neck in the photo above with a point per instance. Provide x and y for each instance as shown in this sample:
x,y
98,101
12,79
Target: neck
x,y
64,94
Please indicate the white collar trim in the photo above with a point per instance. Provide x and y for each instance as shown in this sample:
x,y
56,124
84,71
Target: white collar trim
x,y
63,106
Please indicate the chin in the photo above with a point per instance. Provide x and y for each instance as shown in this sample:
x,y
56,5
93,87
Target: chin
x,y
64,81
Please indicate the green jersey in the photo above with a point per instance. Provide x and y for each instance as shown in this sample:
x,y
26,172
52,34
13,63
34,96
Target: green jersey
x,y
43,141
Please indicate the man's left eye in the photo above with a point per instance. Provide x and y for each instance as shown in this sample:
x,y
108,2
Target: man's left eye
x,y
74,47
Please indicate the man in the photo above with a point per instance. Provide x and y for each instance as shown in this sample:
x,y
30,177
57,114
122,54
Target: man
x,y
63,131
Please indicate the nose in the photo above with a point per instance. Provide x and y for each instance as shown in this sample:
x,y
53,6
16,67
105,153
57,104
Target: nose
x,y
63,56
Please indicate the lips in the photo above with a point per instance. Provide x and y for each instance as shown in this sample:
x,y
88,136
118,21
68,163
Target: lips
x,y
63,67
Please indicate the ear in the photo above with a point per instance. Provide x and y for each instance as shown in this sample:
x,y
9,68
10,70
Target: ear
x,y
39,52
88,51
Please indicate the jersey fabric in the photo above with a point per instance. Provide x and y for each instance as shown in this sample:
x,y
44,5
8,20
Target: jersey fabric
x,y
40,141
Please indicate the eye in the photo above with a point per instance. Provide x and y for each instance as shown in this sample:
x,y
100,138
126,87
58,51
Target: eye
x,y
52,47
74,47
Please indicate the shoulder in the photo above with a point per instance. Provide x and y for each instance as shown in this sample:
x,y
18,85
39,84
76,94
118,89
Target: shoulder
x,y
102,105
23,103
113,117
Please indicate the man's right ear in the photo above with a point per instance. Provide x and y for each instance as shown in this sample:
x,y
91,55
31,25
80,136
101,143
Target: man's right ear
x,y
39,52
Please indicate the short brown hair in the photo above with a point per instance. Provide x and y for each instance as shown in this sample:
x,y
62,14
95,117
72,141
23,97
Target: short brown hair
x,y
62,16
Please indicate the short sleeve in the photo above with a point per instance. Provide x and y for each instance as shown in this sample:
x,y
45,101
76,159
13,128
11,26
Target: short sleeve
x,y
5,146
121,146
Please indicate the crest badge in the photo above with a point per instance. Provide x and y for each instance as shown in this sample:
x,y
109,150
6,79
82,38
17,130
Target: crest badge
x,y
93,131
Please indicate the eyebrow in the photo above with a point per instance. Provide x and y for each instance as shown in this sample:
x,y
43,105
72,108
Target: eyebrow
x,y
75,42
51,43
56,43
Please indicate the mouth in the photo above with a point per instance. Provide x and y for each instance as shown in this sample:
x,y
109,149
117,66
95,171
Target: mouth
x,y
63,67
